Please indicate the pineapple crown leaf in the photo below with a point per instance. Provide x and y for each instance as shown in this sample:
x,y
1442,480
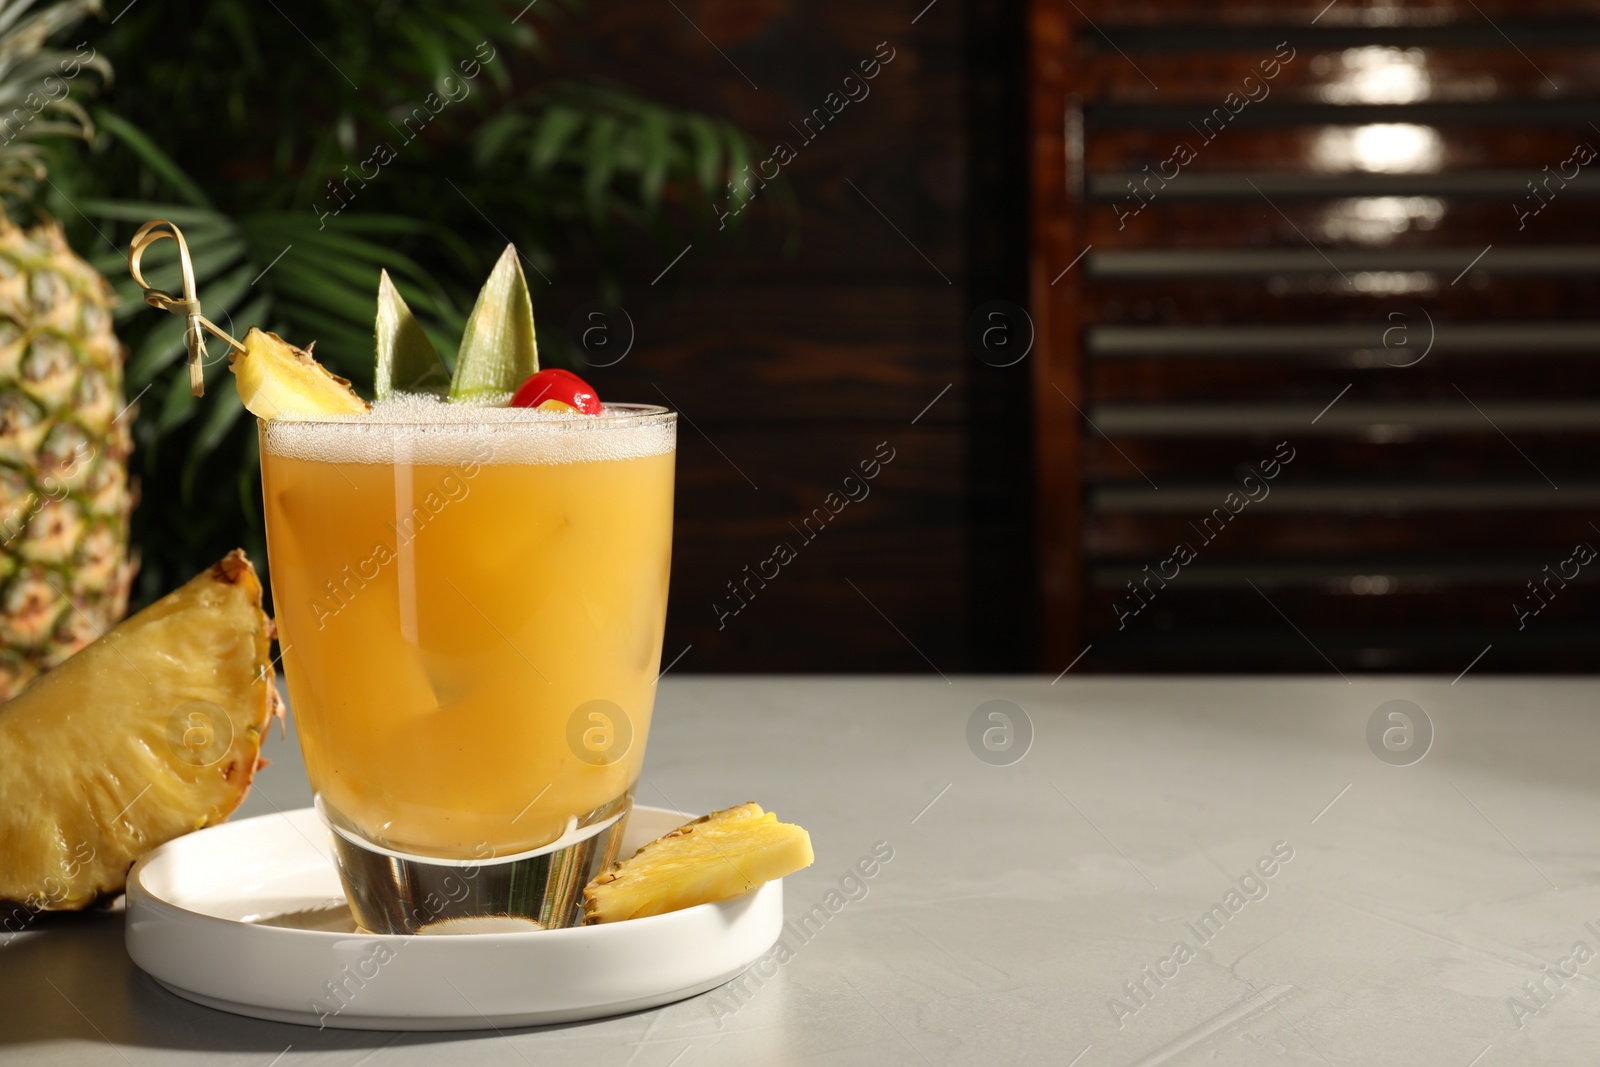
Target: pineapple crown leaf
x,y
499,350
26,35
407,361
37,83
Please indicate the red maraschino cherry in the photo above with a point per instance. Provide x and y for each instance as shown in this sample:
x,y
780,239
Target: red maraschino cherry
x,y
557,390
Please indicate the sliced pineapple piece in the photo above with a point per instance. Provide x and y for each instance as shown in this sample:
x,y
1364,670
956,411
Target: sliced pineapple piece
x,y
276,380
716,857
151,731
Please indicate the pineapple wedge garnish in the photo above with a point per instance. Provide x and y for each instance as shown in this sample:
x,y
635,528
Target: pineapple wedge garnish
x,y
716,857
149,732
499,348
276,380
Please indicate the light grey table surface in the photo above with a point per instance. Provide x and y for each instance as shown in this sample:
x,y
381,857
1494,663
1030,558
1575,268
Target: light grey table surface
x,y
1021,901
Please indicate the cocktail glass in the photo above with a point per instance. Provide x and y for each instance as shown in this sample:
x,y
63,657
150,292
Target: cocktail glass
x,y
470,604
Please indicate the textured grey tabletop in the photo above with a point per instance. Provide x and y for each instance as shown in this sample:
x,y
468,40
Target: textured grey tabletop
x,y
1176,871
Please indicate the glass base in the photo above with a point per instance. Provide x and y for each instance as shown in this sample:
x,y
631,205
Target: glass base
x,y
396,893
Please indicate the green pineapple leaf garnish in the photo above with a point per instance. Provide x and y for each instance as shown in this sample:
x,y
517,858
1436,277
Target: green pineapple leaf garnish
x,y
498,350
407,360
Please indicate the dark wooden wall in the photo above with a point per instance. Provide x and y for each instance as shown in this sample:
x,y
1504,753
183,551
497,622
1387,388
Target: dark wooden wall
x,y
1399,540
791,367
1433,369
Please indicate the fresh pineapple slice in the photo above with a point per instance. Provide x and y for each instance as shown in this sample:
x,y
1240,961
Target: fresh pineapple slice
x,y
151,731
276,380
716,857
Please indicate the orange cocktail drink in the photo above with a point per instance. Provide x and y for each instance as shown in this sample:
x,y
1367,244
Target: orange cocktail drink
x,y
470,604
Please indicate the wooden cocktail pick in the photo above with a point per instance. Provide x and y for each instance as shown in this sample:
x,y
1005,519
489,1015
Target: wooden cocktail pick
x,y
187,305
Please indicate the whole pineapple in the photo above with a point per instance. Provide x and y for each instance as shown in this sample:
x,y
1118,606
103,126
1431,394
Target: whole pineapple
x,y
64,436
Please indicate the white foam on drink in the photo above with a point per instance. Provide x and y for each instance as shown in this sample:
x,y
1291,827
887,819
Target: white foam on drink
x,y
424,429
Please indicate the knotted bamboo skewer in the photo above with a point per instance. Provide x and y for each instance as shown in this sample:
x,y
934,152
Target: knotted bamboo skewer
x,y
187,305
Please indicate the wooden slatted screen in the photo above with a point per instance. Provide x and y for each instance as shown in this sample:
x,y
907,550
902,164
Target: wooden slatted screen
x,y
1359,244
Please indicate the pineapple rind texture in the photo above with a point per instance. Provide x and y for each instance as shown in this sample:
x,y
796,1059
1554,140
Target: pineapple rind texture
x,y
148,733
715,857
64,444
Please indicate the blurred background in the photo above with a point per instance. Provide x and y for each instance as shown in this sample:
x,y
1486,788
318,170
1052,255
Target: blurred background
x,y
1135,336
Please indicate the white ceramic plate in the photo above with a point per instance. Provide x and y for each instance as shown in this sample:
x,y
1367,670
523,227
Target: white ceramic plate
x,y
249,917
